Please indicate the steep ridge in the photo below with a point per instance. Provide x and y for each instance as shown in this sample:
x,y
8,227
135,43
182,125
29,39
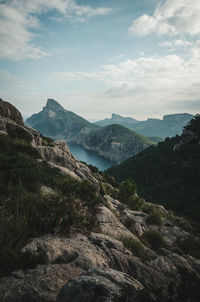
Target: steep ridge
x,y
169,126
83,239
56,122
169,173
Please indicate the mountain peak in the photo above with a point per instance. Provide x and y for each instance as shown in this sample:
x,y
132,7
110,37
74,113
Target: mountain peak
x,y
114,115
54,105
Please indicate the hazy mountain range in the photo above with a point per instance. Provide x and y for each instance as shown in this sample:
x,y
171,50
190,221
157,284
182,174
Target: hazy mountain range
x,y
169,126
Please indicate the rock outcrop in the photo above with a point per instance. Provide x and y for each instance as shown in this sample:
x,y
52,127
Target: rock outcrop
x,y
7,110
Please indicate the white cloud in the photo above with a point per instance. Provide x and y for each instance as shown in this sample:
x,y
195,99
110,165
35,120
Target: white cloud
x,y
18,20
170,17
176,42
147,82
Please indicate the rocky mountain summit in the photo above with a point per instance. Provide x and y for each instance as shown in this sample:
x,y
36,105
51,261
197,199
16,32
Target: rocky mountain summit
x,y
70,233
115,142
59,123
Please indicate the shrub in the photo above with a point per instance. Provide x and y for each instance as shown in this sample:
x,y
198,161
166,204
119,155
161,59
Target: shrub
x,y
129,224
135,203
154,218
126,189
46,141
20,133
190,245
135,247
153,239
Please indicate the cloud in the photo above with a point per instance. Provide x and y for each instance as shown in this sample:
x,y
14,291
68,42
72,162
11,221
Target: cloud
x,y
19,19
170,17
149,82
176,42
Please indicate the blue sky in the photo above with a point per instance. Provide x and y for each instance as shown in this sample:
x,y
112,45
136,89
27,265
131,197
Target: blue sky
x,y
95,57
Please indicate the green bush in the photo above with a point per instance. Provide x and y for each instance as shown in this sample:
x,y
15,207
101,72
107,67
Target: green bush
x,y
20,133
46,141
190,245
153,239
154,218
135,203
126,189
135,247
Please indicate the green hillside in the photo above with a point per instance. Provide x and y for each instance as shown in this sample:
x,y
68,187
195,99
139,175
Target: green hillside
x,y
169,173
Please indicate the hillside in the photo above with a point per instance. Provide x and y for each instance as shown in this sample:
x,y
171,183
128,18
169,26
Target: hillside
x,y
64,237
114,142
57,122
169,173
169,126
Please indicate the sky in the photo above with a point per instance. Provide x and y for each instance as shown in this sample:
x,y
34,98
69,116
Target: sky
x,y
98,57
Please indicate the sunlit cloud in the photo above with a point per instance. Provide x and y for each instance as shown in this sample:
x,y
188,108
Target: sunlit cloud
x,y
170,17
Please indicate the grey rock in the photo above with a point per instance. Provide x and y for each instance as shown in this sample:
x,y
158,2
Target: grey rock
x,y
37,285
7,110
101,286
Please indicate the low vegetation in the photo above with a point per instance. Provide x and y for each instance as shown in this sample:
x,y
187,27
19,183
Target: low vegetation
x,y
153,239
135,247
155,218
25,212
190,245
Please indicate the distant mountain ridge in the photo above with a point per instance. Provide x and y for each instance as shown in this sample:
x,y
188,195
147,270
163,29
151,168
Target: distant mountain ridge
x,y
169,126
115,142
117,119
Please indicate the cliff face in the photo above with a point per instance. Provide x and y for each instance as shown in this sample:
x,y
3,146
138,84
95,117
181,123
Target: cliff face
x,y
7,110
74,237
114,142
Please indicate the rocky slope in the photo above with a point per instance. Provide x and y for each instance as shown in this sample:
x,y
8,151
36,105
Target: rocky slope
x,y
169,126
76,241
115,142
